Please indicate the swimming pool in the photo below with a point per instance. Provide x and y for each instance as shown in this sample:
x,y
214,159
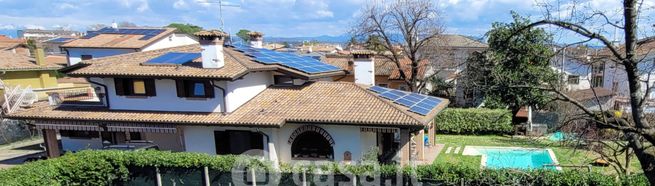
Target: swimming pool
x,y
513,157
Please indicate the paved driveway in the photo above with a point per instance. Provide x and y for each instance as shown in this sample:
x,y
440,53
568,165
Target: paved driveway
x,y
15,154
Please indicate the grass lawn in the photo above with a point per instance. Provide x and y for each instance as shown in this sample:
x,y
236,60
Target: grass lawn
x,y
565,155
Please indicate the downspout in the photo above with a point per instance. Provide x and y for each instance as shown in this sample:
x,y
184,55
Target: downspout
x,y
223,106
68,56
105,89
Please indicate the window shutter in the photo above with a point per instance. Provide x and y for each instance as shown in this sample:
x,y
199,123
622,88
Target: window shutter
x,y
181,90
150,87
209,89
119,85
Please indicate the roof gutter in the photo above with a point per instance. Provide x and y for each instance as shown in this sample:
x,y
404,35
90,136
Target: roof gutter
x,y
223,106
105,90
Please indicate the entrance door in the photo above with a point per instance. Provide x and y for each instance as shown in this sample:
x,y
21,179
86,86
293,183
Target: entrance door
x,y
388,147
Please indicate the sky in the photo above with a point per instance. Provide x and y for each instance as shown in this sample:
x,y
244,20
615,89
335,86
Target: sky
x,y
275,18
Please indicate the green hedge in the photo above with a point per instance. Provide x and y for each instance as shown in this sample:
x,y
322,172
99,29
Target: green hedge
x,y
474,121
106,167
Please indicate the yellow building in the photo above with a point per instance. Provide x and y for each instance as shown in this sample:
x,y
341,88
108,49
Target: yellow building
x,y
24,71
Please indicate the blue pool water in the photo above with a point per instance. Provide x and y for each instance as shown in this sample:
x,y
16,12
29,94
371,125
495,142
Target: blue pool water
x,y
517,158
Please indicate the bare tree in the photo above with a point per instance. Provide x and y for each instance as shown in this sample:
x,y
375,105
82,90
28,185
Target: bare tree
x,y
637,131
406,27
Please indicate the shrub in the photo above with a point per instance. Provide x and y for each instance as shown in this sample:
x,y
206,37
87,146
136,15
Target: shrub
x,y
474,121
108,167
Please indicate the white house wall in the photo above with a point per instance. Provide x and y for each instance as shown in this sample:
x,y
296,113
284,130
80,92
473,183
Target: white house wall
x,y
201,138
616,74
75,54
246,88
172,40
165,100
346,138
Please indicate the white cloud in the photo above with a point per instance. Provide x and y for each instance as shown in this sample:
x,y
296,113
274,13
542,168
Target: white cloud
x,y
31,26
180,4
312,9
203,3
142,5
7,27
64,6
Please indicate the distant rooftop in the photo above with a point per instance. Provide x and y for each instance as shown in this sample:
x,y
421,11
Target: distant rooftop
x,y
452,40
127,38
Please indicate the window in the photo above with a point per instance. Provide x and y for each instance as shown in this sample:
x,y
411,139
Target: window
x,y
139,86
135,136
134,87
383,85
597,81
403,88
197,89
574,79
237,142
86,57
282,80
79,134
598,68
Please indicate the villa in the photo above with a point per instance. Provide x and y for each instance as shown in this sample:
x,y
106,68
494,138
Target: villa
x,y
217,98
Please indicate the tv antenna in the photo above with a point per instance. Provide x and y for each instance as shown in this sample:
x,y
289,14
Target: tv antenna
x,y
221,4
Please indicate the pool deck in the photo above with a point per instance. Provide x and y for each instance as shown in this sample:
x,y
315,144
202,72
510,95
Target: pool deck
x,y
430,154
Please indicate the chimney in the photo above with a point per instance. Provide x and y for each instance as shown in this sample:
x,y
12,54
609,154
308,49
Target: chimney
x,y
364,67
256,39
39,56
211,42
114,25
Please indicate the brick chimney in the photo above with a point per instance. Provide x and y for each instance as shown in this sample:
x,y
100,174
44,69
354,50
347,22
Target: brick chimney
x,y
211,42
364,67
256,39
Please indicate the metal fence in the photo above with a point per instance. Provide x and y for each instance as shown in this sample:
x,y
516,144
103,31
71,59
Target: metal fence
x,y
204,176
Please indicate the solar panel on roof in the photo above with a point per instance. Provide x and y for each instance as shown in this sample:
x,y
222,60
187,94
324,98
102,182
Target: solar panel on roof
x,y
173,58
417,103
419,110
378,89
61,40
146,32
297,62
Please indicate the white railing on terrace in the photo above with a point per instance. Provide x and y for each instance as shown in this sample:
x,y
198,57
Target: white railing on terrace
x,y
85,96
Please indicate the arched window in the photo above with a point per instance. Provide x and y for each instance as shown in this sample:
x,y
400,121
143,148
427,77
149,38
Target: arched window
x,y
311,143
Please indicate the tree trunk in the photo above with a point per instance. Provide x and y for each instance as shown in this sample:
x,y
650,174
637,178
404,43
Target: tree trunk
x,y
646,159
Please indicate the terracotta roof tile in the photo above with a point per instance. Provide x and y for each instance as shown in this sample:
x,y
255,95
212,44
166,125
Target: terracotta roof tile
x,y
211,33
130,65
236,65
127,41
8,43
383,66
56,59
15,62
458,41
586,94
318,102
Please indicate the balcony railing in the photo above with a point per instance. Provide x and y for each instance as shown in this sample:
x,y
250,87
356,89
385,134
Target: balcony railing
x,y
86,96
